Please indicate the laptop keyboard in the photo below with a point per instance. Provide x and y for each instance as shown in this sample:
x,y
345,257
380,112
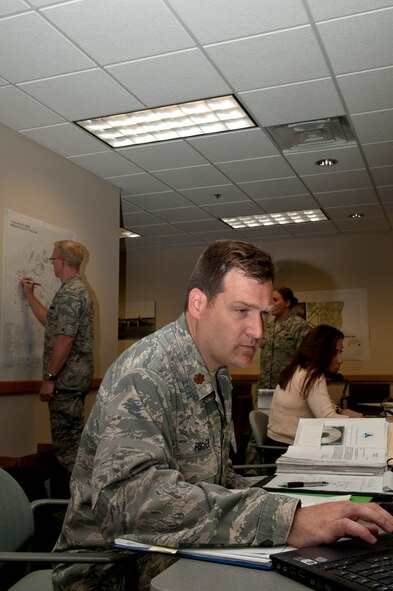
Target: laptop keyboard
x,y
375,572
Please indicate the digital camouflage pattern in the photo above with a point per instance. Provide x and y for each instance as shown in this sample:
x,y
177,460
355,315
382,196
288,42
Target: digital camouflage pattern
x,y
67,419
71,313
153,464
279,343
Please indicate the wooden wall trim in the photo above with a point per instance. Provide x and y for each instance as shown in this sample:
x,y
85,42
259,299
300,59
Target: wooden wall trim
x,y
32,386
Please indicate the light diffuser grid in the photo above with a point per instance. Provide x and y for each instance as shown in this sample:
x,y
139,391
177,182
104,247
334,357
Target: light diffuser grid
x,y
273,219
201,117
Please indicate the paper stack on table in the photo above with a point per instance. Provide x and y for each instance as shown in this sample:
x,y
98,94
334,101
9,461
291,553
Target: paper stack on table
x,y
338,446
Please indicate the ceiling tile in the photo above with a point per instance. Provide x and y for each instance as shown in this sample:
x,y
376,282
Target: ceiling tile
x,y
289,203
367,91
17,64
273,188
350,197
338,181
191,176
235,145
215,194
313,229
138,184
348,158
183,214
386,194
127,207
265,233
336,8
178,77
358,226
159,230
228,210
19,111
105,163
159,201
163,155
342,213
140,218
379,154
374,127
382,175
255,169
221,21
65,139
119,30
359,42
82,95
8,7
303,101
200,225
289,56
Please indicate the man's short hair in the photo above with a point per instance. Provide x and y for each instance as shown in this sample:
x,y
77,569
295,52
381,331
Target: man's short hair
x,y
71,252
222,256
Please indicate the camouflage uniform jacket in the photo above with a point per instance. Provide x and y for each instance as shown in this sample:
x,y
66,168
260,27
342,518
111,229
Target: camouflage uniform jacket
x,y
71,313
153,463
279,343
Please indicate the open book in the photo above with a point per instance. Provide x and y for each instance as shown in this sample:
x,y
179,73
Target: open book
x,y
338,446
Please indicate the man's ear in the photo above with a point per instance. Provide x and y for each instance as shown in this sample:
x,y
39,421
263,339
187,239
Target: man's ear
x,y
197,302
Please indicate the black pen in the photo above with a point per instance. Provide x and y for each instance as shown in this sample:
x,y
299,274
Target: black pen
x,y
303,484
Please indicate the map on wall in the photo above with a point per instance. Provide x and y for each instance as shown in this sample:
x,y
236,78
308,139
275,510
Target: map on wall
x,y
345,309
28,245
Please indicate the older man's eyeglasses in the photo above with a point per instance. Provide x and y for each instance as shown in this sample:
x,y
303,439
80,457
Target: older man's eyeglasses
x,y
55,259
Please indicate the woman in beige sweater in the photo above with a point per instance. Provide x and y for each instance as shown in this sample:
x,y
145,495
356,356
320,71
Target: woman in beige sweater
x,y
302,390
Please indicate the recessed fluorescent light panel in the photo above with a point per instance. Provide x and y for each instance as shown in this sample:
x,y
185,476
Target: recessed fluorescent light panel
x,y
207,116
274,219
128,234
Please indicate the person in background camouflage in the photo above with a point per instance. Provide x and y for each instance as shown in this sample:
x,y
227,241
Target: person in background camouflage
x,y
153,462
283,334
68,349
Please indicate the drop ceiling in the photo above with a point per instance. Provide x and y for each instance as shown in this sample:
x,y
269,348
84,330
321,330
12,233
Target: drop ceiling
x,y
286,61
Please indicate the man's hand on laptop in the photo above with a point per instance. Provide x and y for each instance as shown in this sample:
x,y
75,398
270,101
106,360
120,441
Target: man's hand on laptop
x,y
326,523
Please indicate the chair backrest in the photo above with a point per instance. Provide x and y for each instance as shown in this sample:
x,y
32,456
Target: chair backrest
x,y
258,424
16,516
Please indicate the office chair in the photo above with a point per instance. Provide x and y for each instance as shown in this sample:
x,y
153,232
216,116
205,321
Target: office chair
x,y
16,535
258,423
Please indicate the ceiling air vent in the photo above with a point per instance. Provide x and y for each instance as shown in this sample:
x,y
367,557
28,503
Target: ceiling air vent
x,y
309,135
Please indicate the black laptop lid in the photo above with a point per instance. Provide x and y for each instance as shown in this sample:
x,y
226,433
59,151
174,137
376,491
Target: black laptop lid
x,y
330,568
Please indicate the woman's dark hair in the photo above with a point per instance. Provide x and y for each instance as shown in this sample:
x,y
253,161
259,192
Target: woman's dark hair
x,y
287,295
314,354
222,256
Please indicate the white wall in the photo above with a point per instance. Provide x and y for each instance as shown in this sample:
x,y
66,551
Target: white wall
x,y
339,262
36,182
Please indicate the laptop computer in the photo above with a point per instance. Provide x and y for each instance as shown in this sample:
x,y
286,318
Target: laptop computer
x,y
351,565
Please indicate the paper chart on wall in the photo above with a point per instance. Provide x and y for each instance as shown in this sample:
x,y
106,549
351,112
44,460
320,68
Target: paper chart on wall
x,y
28,244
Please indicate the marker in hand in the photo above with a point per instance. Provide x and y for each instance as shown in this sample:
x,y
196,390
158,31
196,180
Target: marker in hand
x,y
31,282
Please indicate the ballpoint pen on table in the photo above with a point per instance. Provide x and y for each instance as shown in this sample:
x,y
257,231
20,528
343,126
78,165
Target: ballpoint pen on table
x,y
296,484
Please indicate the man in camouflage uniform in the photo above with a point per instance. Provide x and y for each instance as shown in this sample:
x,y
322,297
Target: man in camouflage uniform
x,y
68,349
278,346
153,462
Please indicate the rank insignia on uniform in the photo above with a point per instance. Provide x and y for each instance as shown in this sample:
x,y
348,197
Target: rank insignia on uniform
x,y
199,378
